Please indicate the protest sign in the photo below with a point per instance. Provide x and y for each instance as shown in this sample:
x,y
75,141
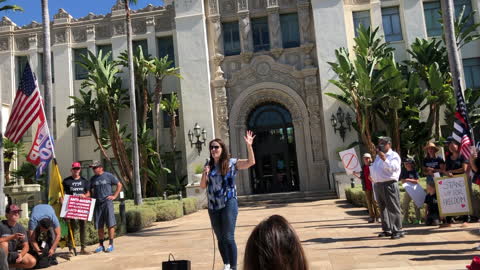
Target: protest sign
x,y
416,192
350,161
76,207
453,195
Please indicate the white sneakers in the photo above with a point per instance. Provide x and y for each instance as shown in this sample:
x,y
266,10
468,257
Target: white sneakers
x,y
226,267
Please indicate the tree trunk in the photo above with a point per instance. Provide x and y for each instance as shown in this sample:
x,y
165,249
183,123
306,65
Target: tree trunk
x,y
396,132
157,98
133,110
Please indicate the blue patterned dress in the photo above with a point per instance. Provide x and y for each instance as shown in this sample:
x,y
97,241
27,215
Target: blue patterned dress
x,y
220,188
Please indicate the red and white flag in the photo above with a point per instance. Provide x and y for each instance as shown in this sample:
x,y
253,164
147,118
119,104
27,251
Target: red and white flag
x,y
26,108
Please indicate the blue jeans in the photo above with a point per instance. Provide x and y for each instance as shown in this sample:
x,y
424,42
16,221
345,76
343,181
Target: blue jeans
x,y
223,224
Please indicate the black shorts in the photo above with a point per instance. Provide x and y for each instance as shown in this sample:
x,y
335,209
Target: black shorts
x,y
104,214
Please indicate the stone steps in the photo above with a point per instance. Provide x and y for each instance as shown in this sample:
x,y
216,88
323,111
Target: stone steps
x,y
286,197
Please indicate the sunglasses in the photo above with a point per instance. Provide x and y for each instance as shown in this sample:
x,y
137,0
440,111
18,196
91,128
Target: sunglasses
x,y
75,169
214,147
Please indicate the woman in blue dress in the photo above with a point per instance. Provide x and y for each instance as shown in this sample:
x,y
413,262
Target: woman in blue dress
x,y
219,179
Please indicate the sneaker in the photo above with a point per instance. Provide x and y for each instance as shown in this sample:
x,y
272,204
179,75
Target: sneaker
x,y
99,249
477,248
226,267
110,249
396,236
371,220
384,234
379,220
84,252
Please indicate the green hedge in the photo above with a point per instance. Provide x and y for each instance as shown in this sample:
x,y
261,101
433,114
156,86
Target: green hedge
x,y
356,196
189,205
139,218
168,210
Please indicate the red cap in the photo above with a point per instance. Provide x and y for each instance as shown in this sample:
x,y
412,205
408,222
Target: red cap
x,y
475,265
13,208
76,165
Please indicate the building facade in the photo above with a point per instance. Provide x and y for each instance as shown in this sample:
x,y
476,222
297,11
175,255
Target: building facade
x,y
246,65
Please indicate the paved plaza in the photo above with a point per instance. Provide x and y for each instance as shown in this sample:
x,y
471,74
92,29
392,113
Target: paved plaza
x,y
335,236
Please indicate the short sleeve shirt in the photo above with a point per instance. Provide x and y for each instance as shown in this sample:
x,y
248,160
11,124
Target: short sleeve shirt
x,y
6,230
76,186
409,174
431,201
40,212
101,186
220,188
433,162
455,164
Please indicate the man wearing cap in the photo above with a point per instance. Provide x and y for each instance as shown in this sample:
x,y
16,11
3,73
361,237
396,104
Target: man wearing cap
x,y
78,186
432,163
385,173
13,240
44,220
101,187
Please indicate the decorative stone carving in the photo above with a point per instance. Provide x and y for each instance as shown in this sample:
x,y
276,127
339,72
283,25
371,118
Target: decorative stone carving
x,y
217,34
245,32
4,44
150,21
103,31
274,26
6,22
61,14
257,4
277,52
263,69
90,29
305,22
60,36
22,43
119,5
213,7
163,24
227,7
221,107
148,8
356,2
119,28
79,35
242,5
139,27
32,39
219,74
307,48
272,3
90,16
33,24
218,59
246,57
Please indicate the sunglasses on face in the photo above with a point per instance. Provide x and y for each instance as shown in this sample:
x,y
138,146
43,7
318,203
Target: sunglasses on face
x,y
75,169
214,147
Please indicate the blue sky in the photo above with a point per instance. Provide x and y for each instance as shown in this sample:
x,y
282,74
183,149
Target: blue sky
x,y
74,7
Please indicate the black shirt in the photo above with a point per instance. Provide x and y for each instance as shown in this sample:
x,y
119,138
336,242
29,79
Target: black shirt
x,y
431,201
409,174
451,164
6,230
433,162
76,186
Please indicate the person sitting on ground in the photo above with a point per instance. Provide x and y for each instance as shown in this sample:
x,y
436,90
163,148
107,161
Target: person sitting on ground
x,y
13,240
274,245
432,214
432,163
409,175
367,185
44,232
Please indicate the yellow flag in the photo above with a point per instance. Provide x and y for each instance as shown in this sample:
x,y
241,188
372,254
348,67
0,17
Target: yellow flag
x,y
55,188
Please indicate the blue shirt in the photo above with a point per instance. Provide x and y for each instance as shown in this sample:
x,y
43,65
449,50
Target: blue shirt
x,y
40,212
220,188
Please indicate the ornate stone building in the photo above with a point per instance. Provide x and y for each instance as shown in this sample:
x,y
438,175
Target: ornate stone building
x,y
246,64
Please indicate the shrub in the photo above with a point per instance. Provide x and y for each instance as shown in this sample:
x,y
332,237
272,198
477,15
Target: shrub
x,y
189,205
173,197
139,218
168,210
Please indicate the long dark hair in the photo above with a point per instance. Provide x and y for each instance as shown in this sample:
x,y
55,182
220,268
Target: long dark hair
x,y
274,244
224,157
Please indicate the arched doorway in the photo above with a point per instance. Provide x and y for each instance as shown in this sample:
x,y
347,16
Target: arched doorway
x,y
276,168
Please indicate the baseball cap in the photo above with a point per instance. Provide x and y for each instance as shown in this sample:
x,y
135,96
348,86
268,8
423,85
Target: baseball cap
x,y
385,139
409,160
12,208
96,163
367,155
76,165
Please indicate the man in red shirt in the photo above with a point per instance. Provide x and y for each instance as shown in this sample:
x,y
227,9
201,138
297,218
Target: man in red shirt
x,y
367,185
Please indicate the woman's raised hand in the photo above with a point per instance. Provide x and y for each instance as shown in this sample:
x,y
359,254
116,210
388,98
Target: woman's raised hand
x,y
249,137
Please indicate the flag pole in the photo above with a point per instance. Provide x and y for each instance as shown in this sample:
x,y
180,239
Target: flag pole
x,y
2,169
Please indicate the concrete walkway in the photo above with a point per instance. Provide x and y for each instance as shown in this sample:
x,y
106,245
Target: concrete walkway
x,y
335,236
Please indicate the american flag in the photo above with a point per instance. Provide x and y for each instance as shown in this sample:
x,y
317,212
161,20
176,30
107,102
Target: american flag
x,y
461,127
26,108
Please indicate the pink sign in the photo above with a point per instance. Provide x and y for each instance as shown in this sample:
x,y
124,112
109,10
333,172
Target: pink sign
x,y
76,207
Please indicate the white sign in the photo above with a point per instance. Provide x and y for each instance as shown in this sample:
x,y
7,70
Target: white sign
x,y
76,207
416,192
453,196
350,161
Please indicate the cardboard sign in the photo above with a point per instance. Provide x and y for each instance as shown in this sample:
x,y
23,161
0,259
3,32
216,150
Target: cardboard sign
x,y
453,195
350,161
76,207
416,192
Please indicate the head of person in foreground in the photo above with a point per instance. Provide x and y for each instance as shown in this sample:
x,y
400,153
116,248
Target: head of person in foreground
x,y
274,244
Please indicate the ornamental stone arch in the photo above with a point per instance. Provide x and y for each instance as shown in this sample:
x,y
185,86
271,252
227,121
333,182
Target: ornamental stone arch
x,y
256,95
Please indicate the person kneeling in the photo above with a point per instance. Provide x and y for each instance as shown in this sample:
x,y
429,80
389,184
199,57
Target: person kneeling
x,y
13,240
44,235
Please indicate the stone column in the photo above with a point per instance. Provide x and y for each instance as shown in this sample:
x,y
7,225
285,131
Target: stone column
x,y
151,38
7,62
304,23
245,28
414,20
220,107
274,28
33,54
376,16
195,94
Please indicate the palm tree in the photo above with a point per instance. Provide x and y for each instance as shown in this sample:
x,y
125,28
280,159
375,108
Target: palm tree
x,y
161,68
133,105
171,106
9,7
